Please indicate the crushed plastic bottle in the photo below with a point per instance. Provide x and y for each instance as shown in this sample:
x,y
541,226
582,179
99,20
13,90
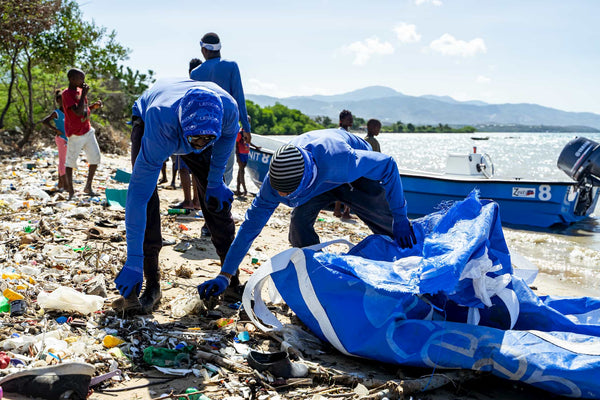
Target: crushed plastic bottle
x,y
4,304
168,357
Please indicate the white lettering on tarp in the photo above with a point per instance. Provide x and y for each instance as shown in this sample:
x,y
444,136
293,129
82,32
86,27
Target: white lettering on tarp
x,y
452,348
266,158
523,192
572,390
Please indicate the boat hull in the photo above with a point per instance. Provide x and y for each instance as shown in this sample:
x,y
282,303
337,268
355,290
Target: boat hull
x,y
530,203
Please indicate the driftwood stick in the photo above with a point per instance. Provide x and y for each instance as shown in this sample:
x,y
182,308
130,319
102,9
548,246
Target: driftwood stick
x,y
432,382
221,361
395,390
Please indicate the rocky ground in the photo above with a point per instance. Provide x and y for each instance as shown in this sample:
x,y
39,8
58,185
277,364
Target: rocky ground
x,y
49,243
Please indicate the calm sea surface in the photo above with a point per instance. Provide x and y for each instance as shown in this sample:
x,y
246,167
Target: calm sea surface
x,y
570,254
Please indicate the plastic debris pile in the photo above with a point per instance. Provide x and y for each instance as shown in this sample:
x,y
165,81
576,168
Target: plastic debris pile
x,y
58,259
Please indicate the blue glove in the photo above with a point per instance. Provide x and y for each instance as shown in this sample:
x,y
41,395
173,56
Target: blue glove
x,y
131,276
214,287
218,197
403,232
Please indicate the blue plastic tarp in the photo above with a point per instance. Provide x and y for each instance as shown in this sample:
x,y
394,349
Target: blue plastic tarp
x,y
452,301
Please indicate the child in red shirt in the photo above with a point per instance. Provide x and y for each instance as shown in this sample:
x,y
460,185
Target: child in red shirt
x,y
242,148
79,130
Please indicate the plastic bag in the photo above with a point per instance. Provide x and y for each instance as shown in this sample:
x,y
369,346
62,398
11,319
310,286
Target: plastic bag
x,y
186,304
68,299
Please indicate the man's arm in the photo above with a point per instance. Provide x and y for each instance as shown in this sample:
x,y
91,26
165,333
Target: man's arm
x,y
256,218
383,168
81,107
380,167
154,150
237,91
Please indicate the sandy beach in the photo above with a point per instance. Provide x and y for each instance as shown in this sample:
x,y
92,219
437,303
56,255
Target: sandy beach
x,y
183,267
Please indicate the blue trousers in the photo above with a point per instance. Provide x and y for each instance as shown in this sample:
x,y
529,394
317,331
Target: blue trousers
x,y
366,199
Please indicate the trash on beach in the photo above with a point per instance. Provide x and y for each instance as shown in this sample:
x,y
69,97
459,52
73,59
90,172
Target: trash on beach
x,y
164,357
69,299
122,176
116,197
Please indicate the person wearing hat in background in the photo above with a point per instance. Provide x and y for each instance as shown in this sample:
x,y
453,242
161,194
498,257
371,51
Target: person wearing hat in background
x,y
198,120
313,170
226,74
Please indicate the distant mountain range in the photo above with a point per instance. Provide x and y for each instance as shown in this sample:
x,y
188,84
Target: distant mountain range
x,y
389,105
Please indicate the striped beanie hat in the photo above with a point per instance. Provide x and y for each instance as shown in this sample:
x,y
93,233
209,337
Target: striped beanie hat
x,y
286,169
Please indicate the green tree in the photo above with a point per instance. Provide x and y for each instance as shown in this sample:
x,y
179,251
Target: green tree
x,y
358,122
410,127
48,47
20,24
325,121
279,120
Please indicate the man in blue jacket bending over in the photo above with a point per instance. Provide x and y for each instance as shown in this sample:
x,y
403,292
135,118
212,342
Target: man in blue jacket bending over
x,y
199,121
312,171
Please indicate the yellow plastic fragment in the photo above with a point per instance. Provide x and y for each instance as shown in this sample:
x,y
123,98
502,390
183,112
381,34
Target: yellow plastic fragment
x,y
12,295
111,341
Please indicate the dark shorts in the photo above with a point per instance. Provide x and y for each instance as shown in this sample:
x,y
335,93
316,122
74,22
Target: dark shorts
x,y
242,158
178,163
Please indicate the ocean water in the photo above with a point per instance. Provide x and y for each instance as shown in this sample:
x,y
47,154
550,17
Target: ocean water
x,y
569,254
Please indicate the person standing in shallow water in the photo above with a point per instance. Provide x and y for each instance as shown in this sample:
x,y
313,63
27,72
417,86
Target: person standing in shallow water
x,y
78,129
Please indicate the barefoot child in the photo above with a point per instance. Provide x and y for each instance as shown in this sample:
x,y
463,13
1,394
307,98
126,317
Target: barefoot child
x,y
58,116
242,148
79,130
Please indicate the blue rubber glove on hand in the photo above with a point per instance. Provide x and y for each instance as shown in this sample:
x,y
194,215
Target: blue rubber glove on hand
x,y
131,276
214,287
218,197
403,233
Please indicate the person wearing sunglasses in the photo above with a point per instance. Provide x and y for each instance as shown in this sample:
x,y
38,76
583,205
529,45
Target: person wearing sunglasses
x,y
199,121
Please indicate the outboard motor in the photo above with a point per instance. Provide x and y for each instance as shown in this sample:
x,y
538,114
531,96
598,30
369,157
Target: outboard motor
x,y
580,160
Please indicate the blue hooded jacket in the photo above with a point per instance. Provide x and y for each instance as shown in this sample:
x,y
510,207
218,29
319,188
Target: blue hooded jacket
x,y
332,157
226,74
163,136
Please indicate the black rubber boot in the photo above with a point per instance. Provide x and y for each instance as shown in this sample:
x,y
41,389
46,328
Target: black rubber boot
x,y
151,296
235,290
128,305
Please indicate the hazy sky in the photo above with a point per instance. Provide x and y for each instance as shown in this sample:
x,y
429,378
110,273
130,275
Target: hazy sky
x,y
499,51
